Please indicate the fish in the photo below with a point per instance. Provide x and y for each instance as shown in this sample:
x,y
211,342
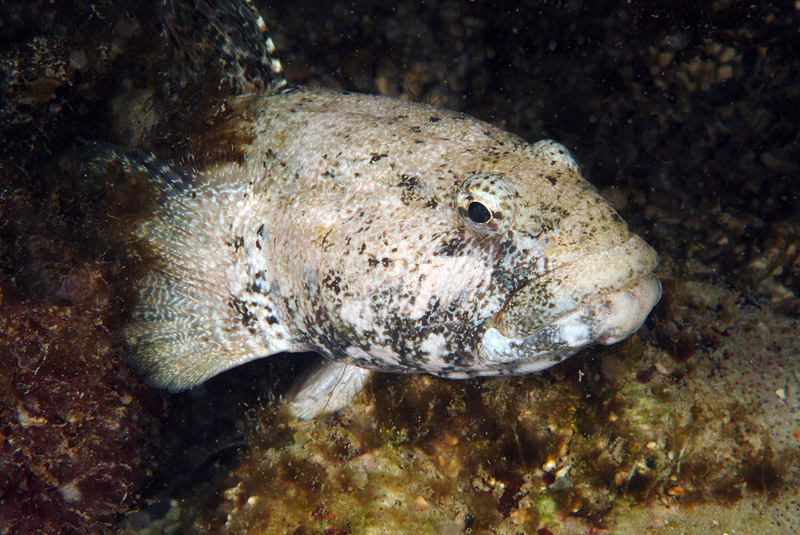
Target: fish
x,y
384,235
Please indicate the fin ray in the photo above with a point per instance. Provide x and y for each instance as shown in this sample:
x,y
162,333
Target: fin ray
x,y
236,40
183,329
328,386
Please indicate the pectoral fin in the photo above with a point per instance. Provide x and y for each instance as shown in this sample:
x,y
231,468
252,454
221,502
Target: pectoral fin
x,y
329,386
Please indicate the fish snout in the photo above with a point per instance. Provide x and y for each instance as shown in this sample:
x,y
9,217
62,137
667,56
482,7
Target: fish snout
x,y
603,297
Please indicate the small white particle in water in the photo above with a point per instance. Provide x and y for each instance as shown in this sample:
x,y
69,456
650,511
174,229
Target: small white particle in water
x,y
78,60
70,492
781,393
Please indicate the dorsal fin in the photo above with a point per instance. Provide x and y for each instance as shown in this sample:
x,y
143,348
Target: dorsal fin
x,y
234,44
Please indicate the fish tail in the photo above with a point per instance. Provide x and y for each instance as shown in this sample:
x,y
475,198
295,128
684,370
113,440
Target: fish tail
x,y
185,325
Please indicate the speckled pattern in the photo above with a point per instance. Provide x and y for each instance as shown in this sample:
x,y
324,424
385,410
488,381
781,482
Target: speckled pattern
x,y
347,230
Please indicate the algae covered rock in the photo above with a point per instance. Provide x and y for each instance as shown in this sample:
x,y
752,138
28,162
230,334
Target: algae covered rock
x,y
77,436
77,427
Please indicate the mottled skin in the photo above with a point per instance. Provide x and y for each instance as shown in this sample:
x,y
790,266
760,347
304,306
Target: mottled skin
x,y
349,227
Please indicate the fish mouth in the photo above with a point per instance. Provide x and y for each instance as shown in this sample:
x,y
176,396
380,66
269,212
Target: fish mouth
x,y
600,298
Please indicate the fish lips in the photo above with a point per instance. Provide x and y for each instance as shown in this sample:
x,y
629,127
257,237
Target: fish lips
x,y
600,298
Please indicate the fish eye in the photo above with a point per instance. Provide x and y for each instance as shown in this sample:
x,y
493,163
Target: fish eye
x,y
486,203
478,212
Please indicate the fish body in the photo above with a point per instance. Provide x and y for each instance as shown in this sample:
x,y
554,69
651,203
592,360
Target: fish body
x,y
385,235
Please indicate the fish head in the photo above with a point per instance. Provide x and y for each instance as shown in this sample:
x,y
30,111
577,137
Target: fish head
x,y
573,274
457,249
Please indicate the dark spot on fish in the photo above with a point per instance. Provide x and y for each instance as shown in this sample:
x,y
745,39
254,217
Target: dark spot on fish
x,y
325,239
332,281
450,247
246,317
408,182
761,473
396,118
259,286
